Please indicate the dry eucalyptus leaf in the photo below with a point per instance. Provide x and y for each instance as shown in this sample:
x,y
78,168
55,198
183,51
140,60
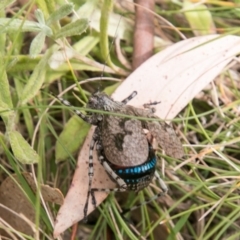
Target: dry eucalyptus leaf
x,y
13,198
49,194
173,77
177,74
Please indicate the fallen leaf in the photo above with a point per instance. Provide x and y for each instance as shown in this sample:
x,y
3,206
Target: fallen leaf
x,y
50,194
15,202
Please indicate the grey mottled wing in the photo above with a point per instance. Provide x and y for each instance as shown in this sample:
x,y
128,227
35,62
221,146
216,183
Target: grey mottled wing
x,y
162,132
166,138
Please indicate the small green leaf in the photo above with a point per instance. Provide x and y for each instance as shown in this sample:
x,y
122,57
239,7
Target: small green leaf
x,y
4,108
5,96
60,13
13,25
21,149
37,78
26,111
7,115
47,30
71,138
37,44
74,28
2,140
104,21
199,18
12,62
39,16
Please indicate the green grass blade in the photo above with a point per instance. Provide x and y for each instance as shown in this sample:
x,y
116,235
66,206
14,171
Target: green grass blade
x,y
37,78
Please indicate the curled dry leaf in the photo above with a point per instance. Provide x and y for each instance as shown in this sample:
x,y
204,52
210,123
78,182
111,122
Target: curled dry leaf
x,y
172,77
14,200
50,194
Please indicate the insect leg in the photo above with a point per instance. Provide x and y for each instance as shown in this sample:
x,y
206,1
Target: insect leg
x,y
121,183
130,97
161,194
162,184
147,105
87,119
90,174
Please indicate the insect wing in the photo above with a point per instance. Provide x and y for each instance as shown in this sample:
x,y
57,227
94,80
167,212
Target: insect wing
x,y
166,138
161,132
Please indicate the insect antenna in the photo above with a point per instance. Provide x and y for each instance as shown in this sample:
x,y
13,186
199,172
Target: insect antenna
x,y
130,97
107,58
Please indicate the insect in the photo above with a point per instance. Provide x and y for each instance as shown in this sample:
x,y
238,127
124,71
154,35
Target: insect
x,y
125,145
